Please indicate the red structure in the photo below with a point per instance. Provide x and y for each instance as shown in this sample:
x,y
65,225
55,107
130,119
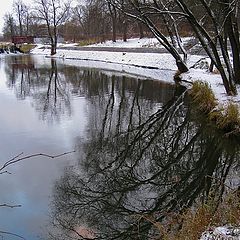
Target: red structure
x,y
22,39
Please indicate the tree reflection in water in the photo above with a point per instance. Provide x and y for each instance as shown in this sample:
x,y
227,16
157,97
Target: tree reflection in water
x,y
51,86
139,165
143,155
45,85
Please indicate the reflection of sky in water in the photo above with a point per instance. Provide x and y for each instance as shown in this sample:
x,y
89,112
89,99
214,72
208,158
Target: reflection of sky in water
x,y
31,181
22,130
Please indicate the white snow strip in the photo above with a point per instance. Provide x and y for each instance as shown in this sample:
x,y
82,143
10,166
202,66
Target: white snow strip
x,y
150,65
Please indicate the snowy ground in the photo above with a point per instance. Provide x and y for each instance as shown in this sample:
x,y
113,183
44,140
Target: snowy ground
x,y
134,43
222,233
131,43
150,65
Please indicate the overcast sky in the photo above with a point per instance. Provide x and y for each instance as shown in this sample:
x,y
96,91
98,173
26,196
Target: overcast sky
x,y
6,6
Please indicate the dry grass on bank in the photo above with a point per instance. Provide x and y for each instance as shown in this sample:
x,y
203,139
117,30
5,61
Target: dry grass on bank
x,y
26,48
193,222
226,117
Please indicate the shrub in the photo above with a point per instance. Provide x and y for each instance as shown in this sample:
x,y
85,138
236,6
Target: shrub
x,y
226,118
87,42
203,96
230,118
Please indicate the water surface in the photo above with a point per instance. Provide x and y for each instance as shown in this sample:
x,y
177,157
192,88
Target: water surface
x,y
49,107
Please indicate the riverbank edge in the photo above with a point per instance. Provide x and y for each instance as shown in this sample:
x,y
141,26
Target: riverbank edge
x,y
189,78
224,117
161,66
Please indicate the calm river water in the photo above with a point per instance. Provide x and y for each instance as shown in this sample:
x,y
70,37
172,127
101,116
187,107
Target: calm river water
x,y
140,149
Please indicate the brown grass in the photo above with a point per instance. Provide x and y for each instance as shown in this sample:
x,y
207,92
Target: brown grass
x,y
26,48
225,118
193,222
203,96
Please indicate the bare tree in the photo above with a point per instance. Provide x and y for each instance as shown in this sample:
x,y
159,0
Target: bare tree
x,y
113,13
10,26
214,40
214,23
143,11
20,10
78,18
54,13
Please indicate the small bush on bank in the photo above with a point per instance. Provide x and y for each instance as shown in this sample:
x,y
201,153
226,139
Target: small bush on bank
x,y
226,118
230,118
87,42
203,96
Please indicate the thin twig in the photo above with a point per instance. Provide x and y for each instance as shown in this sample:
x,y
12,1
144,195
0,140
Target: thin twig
x,y
10,206
17,159
12,234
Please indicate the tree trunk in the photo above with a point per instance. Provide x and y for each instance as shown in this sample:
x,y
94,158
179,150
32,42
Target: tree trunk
x,y
141,33
124,30
53,45
114,30
211,49
234,46
113,13
182,67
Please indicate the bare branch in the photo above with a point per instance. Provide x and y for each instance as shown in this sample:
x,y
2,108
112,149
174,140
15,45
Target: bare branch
x,y
12,234
10,206
17,158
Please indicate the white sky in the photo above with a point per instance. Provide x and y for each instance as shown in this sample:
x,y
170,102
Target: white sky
x,y
6,6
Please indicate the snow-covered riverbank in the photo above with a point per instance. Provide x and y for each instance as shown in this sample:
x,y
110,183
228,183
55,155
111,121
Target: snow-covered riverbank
x,y
150,65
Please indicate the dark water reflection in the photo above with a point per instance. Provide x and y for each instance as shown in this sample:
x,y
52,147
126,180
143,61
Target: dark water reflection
x,y
51,86
142,156
142,151
135,166
50,107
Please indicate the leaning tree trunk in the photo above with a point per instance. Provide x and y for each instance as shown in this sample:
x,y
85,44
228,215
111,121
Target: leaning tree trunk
x,y
181,64
233,38
211,49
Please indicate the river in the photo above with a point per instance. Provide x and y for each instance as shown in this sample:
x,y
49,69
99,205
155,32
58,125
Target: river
x,y
139,149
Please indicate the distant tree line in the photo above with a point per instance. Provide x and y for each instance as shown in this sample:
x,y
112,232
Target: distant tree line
x,y
94,20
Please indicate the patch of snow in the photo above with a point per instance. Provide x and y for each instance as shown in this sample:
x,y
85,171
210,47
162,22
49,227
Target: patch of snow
x,y
222,233
130,43
150,65
67,44
134,43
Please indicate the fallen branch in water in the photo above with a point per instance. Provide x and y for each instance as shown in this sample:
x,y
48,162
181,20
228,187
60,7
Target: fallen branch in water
x,y
17,158
12,234
14,160
10,206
